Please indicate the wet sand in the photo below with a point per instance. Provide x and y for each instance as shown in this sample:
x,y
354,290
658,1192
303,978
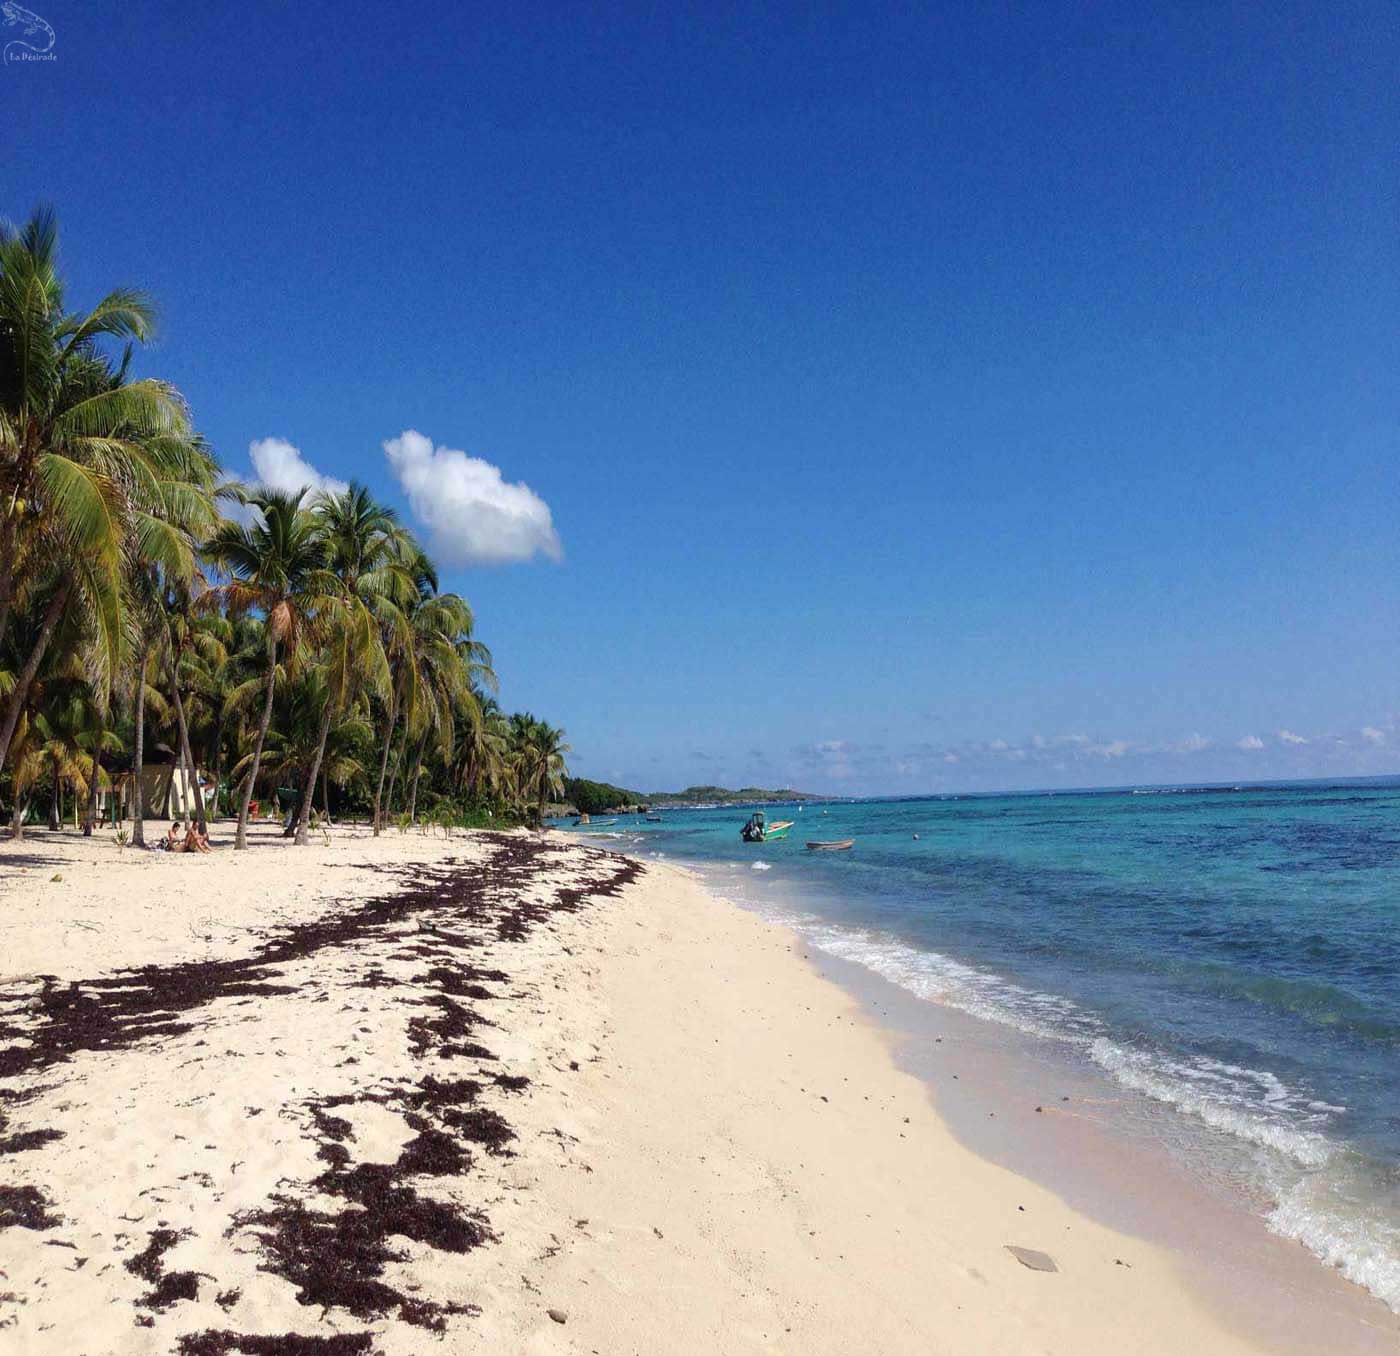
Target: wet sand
x,y
1101,1148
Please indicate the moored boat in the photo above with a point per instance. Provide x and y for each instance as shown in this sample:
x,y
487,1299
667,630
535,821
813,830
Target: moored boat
x,y
835,845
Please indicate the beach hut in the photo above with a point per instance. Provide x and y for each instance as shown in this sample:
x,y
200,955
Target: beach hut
x,y
165,790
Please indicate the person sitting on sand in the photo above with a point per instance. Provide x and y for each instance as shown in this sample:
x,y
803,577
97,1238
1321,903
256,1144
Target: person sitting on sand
x,y
193,841
172,842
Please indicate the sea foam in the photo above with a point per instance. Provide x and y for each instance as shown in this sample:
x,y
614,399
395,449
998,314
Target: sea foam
x,y
1323,1194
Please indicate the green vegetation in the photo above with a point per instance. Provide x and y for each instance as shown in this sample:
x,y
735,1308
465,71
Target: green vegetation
x,y
301,642
599,797
709,795
593,798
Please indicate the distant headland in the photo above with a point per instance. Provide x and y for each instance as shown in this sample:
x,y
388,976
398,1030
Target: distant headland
x,y
591,798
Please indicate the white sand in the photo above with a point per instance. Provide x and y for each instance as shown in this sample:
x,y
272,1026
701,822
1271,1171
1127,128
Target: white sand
x,y
714,1154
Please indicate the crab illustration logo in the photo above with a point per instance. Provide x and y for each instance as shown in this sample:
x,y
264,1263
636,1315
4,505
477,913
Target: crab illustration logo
x,y
37,42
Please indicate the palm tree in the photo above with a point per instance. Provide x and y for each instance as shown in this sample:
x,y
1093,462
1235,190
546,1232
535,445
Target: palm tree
x,y
401,649
344,763
277,564
481,748
145,697
66,737
436,665
220,676
166,513
76,438
28,766
449,670
192,646
538,750
293,730
366,549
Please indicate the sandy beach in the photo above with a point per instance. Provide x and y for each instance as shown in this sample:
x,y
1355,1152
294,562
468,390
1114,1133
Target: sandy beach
x,y
497,1093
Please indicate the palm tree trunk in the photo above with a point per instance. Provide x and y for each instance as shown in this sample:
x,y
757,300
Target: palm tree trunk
x,y
389,799
182,801
17,818
187,758
138,757
90,818
56,804
304,818
305,790
241,838
185,780
394,775
193,795
7,569
36,656
325,793
217,772
384,762
413,795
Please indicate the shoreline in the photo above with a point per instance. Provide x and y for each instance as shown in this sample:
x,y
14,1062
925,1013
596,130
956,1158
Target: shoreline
x,y
1265,1285
1148,1132
1004,1106
557,1104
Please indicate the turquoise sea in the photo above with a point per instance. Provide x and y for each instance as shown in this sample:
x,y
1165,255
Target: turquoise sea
x,y
1231,954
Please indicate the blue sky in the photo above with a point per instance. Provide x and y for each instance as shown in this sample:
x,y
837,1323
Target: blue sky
x,y
910,398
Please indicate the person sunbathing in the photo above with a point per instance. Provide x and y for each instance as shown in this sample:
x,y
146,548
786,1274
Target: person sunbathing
x,y
193,841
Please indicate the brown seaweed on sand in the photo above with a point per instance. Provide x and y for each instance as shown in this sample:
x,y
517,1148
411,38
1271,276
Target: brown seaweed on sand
x,y
25,1208
167,1287
213,1343
334,1237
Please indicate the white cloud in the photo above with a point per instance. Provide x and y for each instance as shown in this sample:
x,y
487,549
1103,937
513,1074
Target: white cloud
x,y
1250,743
472,514
1372,735
950,757
278,465
1193,743
1288,737
1058,741
1115,748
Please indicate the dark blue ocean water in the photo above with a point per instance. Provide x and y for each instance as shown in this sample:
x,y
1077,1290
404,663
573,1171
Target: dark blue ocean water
x,y
1231,954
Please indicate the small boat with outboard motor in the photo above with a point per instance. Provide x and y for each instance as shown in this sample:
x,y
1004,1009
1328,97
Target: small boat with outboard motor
x,y
758,830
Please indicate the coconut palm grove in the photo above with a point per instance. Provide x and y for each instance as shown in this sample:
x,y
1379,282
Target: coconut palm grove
x,y
276,654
